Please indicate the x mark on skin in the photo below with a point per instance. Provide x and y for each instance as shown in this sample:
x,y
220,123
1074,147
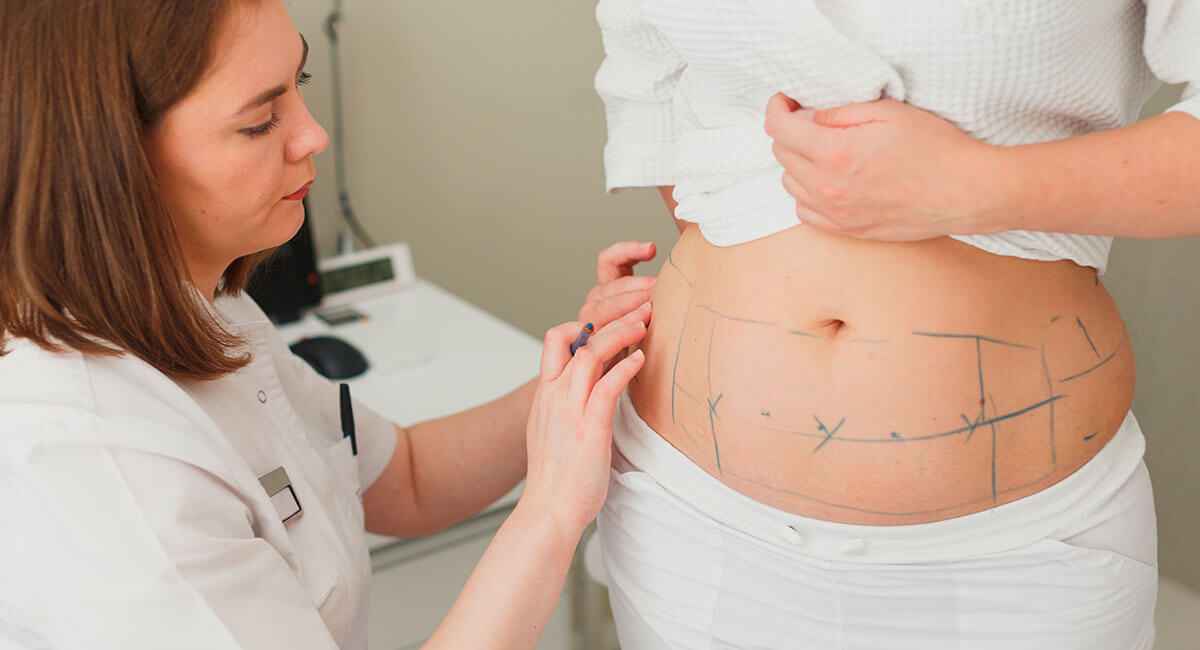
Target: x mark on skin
x,y
712,423
712,406
828,433
972,426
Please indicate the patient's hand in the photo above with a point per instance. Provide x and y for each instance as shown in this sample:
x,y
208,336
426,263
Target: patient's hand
x,y
887,170
618,291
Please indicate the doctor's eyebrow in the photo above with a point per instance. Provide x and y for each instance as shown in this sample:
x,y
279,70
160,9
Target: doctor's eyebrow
x,y
270,95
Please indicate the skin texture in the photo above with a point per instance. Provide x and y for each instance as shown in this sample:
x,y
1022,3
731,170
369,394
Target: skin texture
x,y
829,374
881,383
224,174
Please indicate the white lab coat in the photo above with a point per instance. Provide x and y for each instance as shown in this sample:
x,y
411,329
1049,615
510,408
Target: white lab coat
x,y
131,513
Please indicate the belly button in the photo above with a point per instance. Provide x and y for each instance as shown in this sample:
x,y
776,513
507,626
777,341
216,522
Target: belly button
x,y
833,327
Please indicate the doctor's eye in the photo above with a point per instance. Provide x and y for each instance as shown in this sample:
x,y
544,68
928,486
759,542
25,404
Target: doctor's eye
x,y
264,128
303,78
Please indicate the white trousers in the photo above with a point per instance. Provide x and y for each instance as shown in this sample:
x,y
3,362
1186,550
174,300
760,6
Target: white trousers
x,y
691,563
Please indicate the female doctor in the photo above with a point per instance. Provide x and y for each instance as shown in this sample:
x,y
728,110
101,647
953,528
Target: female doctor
x,y
170,475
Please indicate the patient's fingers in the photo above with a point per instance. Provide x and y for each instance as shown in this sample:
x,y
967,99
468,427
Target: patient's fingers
x,y
619,259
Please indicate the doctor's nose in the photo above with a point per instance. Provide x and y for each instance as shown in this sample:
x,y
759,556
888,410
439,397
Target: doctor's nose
x,y
308,140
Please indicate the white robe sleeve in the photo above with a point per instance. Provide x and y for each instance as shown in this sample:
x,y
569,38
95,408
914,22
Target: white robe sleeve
x,y
637,80
1172,48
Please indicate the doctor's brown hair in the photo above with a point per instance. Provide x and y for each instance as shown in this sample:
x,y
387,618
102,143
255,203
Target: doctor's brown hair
x,y
89,257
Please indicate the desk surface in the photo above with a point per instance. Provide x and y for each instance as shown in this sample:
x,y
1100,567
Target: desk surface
x,y
431,354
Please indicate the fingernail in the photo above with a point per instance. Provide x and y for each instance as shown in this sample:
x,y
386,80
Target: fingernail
x,y
639,355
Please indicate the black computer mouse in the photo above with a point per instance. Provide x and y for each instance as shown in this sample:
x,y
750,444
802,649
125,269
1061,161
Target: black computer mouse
x,y
333,358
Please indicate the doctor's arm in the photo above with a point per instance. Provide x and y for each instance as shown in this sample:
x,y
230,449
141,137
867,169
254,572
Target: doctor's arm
x,y
514,589
445,470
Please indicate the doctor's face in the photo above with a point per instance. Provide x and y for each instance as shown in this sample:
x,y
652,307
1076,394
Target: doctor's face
x,y
234,157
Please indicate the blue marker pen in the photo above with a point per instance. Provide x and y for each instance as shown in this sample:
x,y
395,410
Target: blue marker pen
x,y
582,340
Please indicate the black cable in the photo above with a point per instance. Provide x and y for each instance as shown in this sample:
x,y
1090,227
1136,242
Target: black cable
x,y
338,152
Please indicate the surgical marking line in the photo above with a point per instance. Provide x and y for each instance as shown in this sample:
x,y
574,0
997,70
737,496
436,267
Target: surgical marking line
x,y
1050,390
751,321
972,336
932,436
828,434
1089,370
671,261
992,400
679,353
712,406
1087,336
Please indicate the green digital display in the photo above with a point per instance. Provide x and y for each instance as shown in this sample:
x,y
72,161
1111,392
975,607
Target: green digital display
x,y
358,275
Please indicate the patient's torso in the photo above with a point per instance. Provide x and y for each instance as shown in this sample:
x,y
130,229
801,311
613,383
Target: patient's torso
x,y
877,383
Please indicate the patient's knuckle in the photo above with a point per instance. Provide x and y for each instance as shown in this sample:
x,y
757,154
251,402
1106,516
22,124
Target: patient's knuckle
x,y
839,159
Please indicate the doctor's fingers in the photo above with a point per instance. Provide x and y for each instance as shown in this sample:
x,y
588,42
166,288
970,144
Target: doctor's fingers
x,y
603,312
556,349
619,259
556,346
602,404
592,360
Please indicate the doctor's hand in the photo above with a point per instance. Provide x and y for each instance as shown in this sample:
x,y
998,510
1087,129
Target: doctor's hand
x,y
887,170
569,436
618,291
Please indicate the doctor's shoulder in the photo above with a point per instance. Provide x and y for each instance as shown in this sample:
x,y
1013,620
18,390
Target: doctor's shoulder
x,y
64,398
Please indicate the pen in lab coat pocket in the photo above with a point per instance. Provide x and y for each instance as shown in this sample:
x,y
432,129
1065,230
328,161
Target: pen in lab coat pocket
x,y
348,419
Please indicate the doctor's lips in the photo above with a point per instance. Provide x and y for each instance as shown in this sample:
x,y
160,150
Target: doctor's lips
x,y
299,194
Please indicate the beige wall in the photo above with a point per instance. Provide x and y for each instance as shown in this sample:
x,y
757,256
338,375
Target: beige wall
x,y
476,136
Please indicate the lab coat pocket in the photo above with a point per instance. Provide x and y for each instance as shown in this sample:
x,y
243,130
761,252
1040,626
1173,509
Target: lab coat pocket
x,y
345,485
